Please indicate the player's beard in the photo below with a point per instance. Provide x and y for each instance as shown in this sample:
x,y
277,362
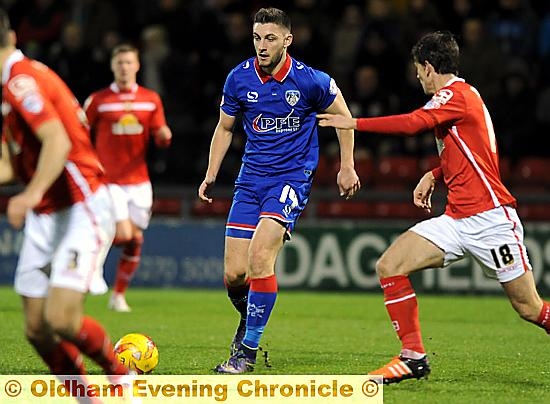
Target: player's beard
x,y
274,62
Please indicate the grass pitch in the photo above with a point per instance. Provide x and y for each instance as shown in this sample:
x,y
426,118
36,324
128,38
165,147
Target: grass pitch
x,y
480,351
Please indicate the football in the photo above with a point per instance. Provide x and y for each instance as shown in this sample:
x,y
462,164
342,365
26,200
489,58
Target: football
x,y
138,352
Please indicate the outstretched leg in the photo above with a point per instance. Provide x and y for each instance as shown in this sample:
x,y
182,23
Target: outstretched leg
x,y
409,253
525,299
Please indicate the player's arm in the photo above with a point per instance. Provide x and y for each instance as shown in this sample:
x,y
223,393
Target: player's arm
x,y
410,124
221,140
163,137
6,169
348,181
55,148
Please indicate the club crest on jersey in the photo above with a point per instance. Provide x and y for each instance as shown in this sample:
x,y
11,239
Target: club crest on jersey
x,y
292,97
440,98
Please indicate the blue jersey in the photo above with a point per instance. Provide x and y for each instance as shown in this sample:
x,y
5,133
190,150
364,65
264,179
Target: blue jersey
x,y
279,117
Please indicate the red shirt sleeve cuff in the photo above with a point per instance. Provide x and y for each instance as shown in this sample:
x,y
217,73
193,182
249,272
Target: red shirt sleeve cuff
x,y
437,173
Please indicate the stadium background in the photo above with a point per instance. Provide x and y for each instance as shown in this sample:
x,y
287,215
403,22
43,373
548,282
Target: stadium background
x,y
188,47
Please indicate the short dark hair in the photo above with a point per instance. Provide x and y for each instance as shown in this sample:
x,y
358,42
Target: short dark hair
x,y
123,48
273,15
5,28
440,50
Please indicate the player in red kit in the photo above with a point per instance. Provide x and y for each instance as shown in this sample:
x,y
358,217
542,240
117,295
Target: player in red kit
x,y
65,208
122,118
480,218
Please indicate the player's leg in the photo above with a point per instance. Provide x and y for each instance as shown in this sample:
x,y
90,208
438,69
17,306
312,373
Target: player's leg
x,y
259,253
32,283
127,266
526,301
506,259
237,283
240,227
76,269
64,314
265,246
280,206
432,243
410,252
133,213
61,356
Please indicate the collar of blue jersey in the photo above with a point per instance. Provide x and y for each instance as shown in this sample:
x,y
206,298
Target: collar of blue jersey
x,y
279,76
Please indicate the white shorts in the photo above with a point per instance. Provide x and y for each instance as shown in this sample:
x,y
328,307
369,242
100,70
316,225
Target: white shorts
x,y
133,202
67,248
493,238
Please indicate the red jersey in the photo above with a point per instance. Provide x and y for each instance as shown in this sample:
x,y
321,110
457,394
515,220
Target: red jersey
x,y
466,144
31,95
122,122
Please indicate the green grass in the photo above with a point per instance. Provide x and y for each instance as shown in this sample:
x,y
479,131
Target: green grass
x,y
480,351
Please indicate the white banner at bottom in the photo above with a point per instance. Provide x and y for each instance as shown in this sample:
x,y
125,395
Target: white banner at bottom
x,y
230,389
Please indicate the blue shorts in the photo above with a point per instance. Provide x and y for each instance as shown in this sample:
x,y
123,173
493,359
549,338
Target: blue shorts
x,y
274,198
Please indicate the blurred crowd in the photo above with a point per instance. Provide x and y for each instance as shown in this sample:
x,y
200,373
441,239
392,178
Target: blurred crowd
x,y
189,46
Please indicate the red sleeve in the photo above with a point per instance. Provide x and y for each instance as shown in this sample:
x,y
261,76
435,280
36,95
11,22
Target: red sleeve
x,y
405,124
157,119
437,173
443,107
29,99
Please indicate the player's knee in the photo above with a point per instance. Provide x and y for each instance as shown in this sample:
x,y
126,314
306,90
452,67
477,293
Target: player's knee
x,y
36,334
124,230
133,247
234,278
61,324
383,268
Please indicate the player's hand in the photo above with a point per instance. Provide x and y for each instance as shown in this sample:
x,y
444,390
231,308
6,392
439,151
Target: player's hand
x,y
18,206
422,194
337,121
348,182
206,183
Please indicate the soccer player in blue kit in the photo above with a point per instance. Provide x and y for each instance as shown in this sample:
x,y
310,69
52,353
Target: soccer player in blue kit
x,y
278,97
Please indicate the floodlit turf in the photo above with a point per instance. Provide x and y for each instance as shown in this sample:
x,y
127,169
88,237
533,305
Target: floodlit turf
x,y
480,351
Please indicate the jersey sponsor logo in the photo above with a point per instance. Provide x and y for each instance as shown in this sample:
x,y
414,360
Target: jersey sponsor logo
x,y
440,98
292,97
33,103
289,123
252,96
21,85
333,88
128,124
